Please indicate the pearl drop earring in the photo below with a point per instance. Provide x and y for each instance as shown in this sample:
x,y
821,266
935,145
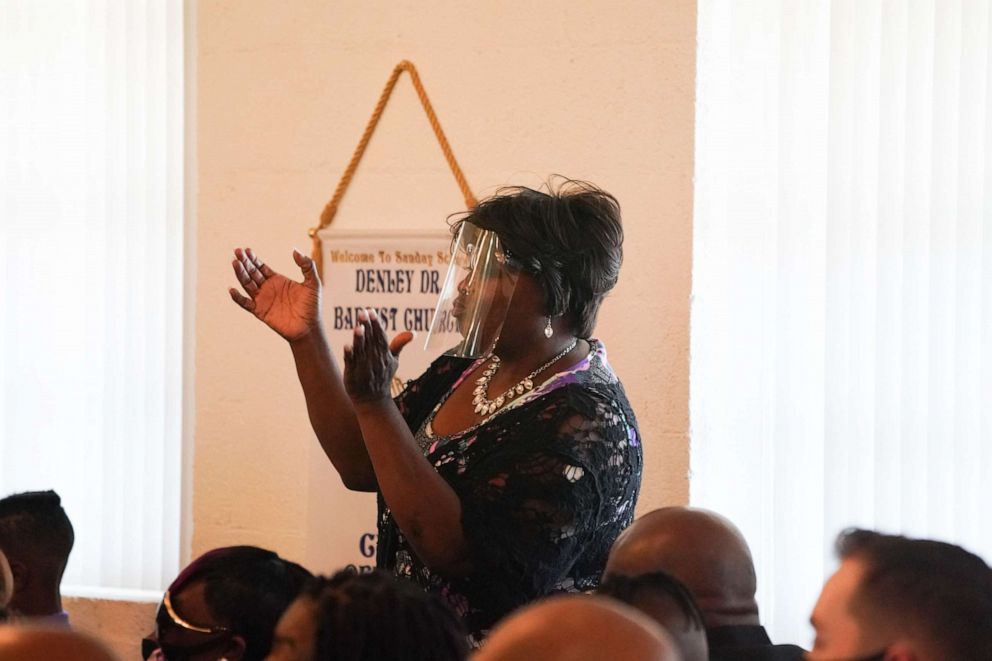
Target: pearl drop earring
x,y
548,330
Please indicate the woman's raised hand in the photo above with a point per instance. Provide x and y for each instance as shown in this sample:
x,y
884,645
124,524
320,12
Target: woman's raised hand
x,y
290,308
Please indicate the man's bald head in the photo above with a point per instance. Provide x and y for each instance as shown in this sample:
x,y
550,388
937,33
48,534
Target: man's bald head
x,y
700,548
578,628
29,644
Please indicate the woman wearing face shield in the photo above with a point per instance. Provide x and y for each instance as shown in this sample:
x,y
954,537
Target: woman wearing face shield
x,y
507,469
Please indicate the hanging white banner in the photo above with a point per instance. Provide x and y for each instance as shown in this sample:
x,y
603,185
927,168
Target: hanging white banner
x,y
399,274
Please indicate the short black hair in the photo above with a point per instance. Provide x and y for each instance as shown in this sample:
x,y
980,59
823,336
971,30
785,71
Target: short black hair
x,y
629,589
246,589
371,616
34,529
923,586
570,239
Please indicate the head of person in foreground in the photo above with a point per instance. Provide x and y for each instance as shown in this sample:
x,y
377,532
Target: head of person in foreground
x,y
225,605
700,548
578,628
668,602
365,617
899,599
37,537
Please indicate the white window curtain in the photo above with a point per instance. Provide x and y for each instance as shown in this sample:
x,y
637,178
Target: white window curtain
x,y
91,273
841,370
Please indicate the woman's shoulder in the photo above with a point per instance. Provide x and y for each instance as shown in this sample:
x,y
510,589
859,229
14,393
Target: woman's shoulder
x,y
592,382
602,406
586,402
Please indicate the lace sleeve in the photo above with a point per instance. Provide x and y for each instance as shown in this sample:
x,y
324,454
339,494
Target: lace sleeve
x,y
548,501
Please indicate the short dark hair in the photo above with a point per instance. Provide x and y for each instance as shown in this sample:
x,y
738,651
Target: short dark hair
x,y
629,589
925,586
246,589
372,616
570,239
34,528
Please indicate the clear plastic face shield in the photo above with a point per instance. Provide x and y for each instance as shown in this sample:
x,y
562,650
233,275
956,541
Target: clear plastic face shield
x,y
476,294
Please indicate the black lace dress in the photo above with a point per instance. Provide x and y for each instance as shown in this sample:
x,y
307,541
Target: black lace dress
x,y
546,484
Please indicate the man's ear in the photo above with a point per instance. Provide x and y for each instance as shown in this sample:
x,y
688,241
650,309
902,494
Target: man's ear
x,y
235,650
20,573
6,582
901,651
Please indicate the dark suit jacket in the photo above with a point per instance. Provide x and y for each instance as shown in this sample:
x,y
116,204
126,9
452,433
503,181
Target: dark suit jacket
x,y
748,643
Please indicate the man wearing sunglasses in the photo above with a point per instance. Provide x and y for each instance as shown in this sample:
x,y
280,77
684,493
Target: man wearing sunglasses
x,y
224,605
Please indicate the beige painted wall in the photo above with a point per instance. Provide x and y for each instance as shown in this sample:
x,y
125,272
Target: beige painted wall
x,y
595,90
120,624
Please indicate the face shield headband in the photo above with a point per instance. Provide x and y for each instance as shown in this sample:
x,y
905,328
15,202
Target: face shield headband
x,y
476,294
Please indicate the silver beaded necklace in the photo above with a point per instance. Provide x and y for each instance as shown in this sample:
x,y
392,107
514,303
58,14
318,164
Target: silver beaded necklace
x,y
485,406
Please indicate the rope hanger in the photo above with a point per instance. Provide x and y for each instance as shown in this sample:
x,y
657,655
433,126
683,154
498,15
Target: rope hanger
x,y
331,208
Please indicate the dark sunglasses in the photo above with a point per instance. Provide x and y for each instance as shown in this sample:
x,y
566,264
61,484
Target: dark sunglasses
x,y
166,618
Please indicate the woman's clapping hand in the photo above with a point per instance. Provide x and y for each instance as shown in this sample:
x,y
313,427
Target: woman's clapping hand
x,y
371,362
